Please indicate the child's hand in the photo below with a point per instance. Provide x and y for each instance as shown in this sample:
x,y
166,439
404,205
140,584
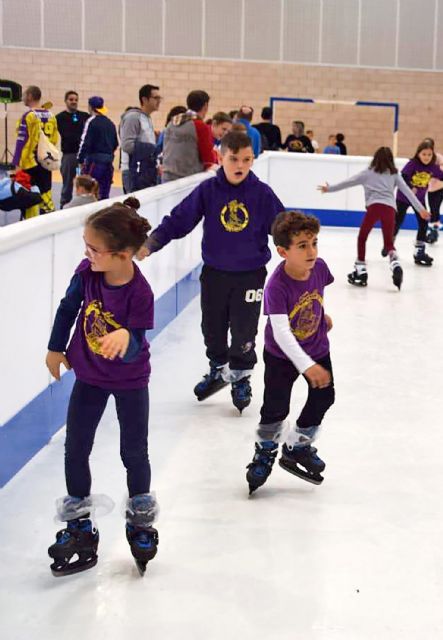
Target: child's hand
x,y
328,321
114,344
53,361
425,214
142,253
324,188
318,376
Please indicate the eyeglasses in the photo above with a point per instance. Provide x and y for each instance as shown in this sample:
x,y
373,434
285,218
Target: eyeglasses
x,y
95,252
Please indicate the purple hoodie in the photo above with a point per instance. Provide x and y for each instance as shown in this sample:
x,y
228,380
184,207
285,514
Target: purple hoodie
x,y
418,176
237,221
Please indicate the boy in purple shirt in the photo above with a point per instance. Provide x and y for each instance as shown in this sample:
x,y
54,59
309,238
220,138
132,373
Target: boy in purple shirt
x,y
296,342
237,211
110,356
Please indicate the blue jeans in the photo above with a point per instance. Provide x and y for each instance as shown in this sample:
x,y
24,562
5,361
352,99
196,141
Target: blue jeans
x,y
86,407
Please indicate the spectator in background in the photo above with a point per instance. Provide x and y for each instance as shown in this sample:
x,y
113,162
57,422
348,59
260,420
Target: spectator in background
x,y
314,142
86,191
232,114
340,144
297,141
188,146
244,116
221,123
139,142
70,123
332,147
97,147
270,133
175,111
36,119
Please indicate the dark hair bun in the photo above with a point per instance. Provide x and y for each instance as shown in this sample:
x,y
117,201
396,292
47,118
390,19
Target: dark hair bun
x,y
132,202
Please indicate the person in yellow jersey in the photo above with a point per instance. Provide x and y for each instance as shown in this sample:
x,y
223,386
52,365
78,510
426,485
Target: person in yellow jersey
x,y
37,118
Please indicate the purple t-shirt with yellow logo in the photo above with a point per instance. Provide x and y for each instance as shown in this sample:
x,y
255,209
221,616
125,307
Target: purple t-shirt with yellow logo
x,y
105,309
302,302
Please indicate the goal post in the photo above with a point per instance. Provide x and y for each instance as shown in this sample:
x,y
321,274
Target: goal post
x,y
356,103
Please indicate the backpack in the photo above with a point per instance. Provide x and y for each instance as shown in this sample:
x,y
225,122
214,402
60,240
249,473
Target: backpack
x,y
48,155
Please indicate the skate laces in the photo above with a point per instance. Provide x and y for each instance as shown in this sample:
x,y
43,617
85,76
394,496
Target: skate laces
x,y
84,525
265,454
242,389
142,537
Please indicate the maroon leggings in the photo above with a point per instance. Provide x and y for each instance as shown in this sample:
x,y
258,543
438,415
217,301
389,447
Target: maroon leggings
x,y
374,213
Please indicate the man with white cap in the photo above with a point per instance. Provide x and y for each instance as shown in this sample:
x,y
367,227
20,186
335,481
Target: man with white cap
x,y
98,144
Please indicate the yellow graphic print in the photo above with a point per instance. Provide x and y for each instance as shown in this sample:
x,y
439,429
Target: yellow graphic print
x,y
307,320
96,323
234,216
421,179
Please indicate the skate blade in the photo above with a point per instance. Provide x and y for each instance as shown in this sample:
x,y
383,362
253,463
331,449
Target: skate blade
x,y
75,567
141,567
204,396
318,479
357,284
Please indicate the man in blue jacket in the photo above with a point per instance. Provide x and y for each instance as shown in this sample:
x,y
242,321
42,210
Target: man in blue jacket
x,y
237,211
98,144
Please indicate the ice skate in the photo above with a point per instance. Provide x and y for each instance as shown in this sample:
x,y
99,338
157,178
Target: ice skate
x,y
359,277
303,462
397,273
260,468
432,235
79,540
241,393
421,258
141,512
211,382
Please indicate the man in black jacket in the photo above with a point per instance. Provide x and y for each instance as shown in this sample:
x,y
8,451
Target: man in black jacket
x,y
70,123
98,144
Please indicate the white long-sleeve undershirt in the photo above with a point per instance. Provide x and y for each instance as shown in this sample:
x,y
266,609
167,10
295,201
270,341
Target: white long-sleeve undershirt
x,y
284,337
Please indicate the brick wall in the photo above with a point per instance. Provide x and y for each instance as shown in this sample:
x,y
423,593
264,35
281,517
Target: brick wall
x,y
118,77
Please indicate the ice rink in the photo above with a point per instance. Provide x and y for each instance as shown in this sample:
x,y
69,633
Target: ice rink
x,y
358,558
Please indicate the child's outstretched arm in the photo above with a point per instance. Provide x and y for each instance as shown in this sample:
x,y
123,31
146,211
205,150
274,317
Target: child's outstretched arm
x,y
353,181
317,375
64,319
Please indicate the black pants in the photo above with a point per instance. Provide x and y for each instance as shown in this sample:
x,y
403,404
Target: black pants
x,y
280,376
402,207
68,170
231,300
86,407
435,198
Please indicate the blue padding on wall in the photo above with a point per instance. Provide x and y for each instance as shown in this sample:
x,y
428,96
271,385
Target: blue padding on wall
x,y
33,426
338,218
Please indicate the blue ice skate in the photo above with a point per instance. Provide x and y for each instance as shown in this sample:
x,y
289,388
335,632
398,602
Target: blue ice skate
x,y
260,468
303,462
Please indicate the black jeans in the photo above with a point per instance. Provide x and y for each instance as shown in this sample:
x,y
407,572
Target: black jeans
x,y
231,300
402,207
280,376
435,198
86,407
68,170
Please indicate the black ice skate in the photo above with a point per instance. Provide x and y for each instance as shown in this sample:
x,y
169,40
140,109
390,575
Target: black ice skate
x,y
260,468
397,273
303,462
143,543
358,279
79,539
432,235
211,383
421,258
241,393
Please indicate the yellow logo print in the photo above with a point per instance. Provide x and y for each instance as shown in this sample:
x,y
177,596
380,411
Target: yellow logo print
x,y
421,179
307,321
96,324
234,216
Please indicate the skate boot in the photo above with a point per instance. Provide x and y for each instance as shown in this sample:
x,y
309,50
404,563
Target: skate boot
x,y
421,258
211,382
359,277
432,235
260,468
241,393
140,534
79,539
303,462
397,272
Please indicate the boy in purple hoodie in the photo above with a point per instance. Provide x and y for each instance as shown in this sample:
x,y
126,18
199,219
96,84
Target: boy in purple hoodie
x,y
237,211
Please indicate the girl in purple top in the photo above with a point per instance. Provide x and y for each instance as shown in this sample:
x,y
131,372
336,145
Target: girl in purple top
x,y
110,356
417,174
296,342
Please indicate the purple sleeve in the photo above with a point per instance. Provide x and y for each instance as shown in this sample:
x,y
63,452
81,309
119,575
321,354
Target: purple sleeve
x,y
182,220
22,138
275,299
141,315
